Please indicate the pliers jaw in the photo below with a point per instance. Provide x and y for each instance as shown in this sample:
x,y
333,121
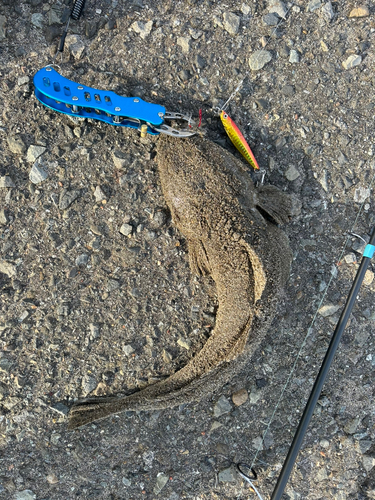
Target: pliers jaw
x,y
65,96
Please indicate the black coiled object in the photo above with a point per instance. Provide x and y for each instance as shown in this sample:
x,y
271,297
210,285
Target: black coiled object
x,y
77,9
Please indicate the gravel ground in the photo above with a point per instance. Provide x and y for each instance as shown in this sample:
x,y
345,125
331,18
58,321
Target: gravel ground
x,y
96,293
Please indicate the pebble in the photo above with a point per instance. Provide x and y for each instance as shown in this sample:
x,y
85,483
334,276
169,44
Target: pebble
x,y
161,481
67,197
368,462
22,80
82,259
270,19
215,425
94,331
37,20
240,397
143,29
24,495
222,406
352,425
75,45
52,479
16,145
126,229
328,310
292,173
364,445
369,278
60,408
228,475
231,23
279,8
120,159
259,59
294,56
185,343
5,365
38,174
4,219
7,268
6,182
127,349
313,5
350,258
184,43
3,21
126,481
327,11
34,152
288,90
362,11
352,61
89,383
361,194
99,194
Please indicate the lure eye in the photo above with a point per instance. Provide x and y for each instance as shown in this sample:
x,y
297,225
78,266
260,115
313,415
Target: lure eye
x,y
225,116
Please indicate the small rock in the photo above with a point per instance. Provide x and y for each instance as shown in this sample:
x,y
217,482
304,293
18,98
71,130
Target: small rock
x,y
4,219
270,19
328,310
324,443
240,397
88,384
75,46
368,462
294,56
292,173
321,474
5,365
200,61
228,475
127,349
67,197
38,174
222,406
99,194
288,90
120,159
259,59
37,20
352,61
143,29
55,438
126,481
184,43
258,443
231,23
362,11
361,194
91,28
52,479
24,495
313,5
185,343
327,11
352,425
113,285
6,182
82,259
278,7
3,21
350,258
167,357
7,268
126,229
161,481
94,331
364,445
215,425
16,145
325,48
34,152
369,278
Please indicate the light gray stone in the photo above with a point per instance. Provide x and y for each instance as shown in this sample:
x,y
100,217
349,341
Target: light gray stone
x,y
67,197
75,46
127,350
222,406
259,59
89,383
313,5
99,194
7,268
228,475
184,43
328,310
231,23
126,229
37,20
161,481
327,11
38,173
352,61
6,182
292,173
361,194
16,145
368,462
278,7
143,29
24,495
294,57
34,152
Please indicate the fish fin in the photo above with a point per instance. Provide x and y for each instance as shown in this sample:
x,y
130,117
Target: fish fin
x,y
198,259
276,203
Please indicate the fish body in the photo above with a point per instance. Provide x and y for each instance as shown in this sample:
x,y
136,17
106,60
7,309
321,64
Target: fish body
x,y
238,139
215,205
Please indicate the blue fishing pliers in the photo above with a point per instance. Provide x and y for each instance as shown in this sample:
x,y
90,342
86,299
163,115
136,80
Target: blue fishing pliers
x,y
63,95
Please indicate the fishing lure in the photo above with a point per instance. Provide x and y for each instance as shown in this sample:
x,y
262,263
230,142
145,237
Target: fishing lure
x,y
65,96
238,139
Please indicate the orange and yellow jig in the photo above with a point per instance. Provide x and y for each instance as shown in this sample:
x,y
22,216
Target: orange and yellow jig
x,y
238,139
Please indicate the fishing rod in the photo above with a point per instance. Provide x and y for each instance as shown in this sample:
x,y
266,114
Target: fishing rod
x,y
323,372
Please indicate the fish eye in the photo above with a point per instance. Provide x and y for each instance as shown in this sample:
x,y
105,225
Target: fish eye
x,y
225,115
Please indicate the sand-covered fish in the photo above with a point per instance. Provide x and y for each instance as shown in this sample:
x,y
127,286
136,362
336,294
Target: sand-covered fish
x,y
232,233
